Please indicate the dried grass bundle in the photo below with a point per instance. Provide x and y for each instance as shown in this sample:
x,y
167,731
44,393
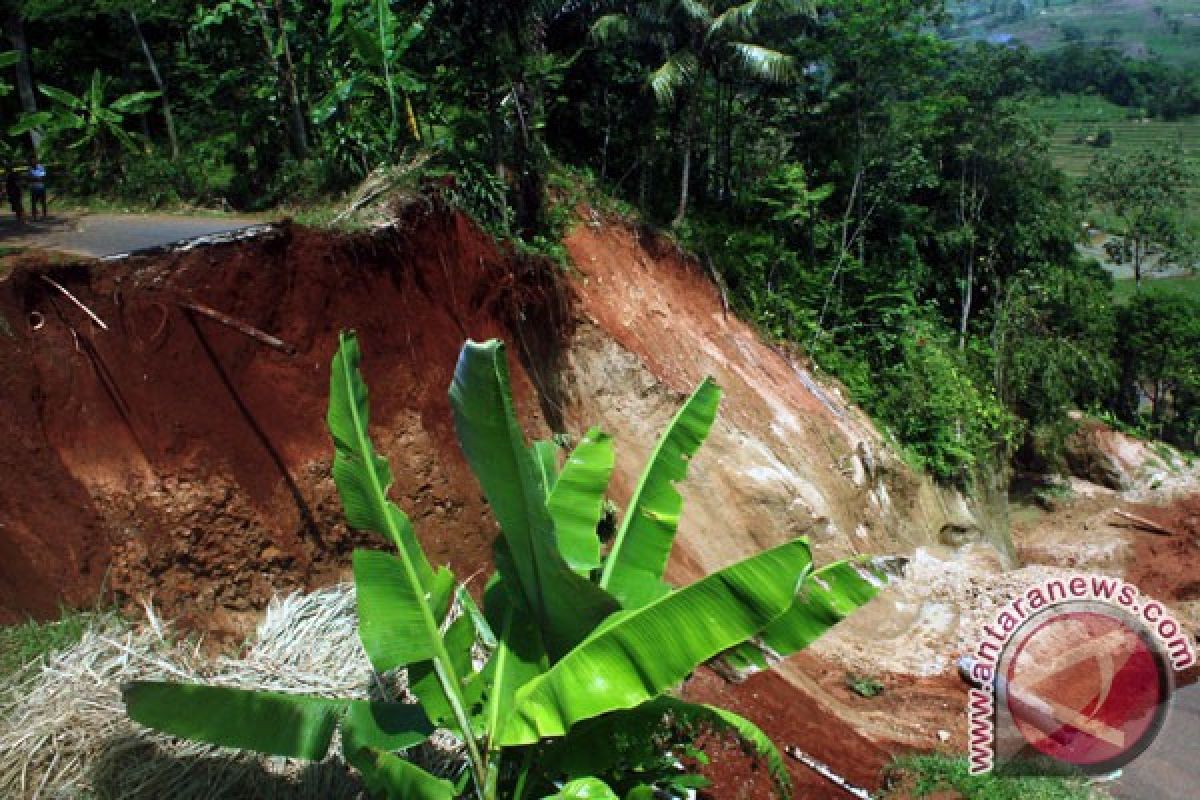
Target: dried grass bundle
x,y
64,732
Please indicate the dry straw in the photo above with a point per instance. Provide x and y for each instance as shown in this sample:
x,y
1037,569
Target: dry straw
x,y
64,732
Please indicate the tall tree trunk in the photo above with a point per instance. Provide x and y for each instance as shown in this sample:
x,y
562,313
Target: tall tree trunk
x,y
688,136
164,97
285,71
14,27
299,126
1137,264
968,291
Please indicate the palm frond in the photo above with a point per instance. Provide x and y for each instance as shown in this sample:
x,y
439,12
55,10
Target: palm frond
x,y
695,12
764,63
673,75
611,27
743,19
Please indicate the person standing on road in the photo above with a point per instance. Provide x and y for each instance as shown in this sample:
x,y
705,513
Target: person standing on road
x,y
37,189
12,185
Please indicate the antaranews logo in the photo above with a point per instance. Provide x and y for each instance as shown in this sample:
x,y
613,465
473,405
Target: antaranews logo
x,y
1077,673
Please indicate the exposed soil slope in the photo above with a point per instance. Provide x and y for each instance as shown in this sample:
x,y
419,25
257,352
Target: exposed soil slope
x,y
172,458
175,458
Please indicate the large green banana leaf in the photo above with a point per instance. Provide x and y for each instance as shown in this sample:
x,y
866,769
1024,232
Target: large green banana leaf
x,y
362,475
655,647
826,597
388,776
517,659
296,726
402,603
426,683
566,606
386,726
393,623
634,569
576,503
545,462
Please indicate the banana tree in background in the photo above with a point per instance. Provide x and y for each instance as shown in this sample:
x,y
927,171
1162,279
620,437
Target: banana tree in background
x,y
89,118
379,39
692,41
580,647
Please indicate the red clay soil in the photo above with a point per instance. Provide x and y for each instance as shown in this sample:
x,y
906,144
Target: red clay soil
x,y
789,718
658,303
1168,567
793,717
174,458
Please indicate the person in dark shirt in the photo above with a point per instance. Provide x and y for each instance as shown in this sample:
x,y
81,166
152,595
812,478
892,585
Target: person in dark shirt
x,y
12,185
37,189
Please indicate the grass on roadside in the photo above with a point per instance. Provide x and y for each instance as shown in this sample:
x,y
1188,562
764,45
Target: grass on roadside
x,y
25,642
924,775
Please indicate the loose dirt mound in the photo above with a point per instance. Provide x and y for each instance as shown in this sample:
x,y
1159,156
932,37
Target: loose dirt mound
x,y
174,456
1169,566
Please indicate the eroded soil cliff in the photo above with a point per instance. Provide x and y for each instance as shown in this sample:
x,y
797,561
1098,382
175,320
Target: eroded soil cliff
x,y
174,459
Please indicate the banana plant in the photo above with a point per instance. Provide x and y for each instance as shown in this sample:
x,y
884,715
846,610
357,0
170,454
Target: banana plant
x,y
379,40
90,117
582,647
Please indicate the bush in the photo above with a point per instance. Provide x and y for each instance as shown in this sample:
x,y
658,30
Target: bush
x,y
930,401
1158,350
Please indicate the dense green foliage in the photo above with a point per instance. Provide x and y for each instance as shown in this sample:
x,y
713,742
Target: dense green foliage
x,y
1159,356
568,664
1145,195
883,198
1152,87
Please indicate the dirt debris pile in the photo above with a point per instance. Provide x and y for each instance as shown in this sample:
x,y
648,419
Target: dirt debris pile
x,y
174,457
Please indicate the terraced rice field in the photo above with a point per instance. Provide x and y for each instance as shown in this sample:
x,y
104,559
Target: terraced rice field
x,y
1074,118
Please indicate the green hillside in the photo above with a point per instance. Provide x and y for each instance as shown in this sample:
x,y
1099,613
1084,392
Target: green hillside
x,y
1167,29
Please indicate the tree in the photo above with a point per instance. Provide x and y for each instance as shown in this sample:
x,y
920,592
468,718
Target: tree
x,y
274,29
152,65
90,116
1073,33
1145,194
379,40
689,43
14,28
1158,349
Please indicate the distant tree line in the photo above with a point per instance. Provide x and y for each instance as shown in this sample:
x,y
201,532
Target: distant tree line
x,y
1154,88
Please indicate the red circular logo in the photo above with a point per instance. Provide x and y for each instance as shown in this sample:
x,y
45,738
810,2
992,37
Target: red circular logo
x,y
1087,686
